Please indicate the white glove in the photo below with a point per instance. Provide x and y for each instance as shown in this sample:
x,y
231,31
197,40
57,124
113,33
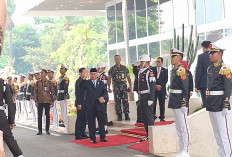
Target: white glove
x,y
150,103
225,111
184,110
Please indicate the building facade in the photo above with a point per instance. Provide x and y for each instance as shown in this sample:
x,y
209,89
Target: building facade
x,y
151,23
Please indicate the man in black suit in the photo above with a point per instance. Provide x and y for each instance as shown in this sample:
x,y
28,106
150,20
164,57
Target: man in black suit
x,y
96,95
161,75
81,107
203,62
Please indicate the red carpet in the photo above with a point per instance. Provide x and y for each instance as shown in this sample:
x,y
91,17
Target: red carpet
x,y
139,132
156,123
112,141
142,147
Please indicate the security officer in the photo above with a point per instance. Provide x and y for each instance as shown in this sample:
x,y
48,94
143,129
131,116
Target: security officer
x,y
178,101
119,74
101,67
7,124
22,97
54,109
62,94
146,90
136,69
218,100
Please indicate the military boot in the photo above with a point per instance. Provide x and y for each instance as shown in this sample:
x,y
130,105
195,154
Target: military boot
x,y
119,117
127,117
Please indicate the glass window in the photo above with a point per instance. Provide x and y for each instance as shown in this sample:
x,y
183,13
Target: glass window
x,y
152,13
228,31
180,13
133,54
166,46
228,11
131,18
141,18
142,49
119,22
154,49
122,53
213,10
200,12
214,35
201,39
111,25
166,20
112,53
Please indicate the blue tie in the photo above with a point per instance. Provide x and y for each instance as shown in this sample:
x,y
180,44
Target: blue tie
x,y
94,83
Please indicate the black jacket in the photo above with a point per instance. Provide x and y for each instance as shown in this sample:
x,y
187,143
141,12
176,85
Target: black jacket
x,y
203,63
178,82
80,94
218,82
62,88
92,95
163,78
6,95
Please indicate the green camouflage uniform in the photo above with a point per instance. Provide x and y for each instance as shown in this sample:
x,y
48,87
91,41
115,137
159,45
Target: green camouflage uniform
x,y
119,77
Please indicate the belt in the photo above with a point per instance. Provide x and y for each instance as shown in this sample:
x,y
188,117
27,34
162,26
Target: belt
x,y
2,108
20,93
175,91
60,91
28,93
144,91
214,92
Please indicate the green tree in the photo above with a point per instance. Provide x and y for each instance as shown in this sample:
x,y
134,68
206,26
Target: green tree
x,y
23,36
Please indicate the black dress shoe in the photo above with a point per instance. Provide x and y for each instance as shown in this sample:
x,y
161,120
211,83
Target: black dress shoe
x,y
48,132
162,120
39,133
144,139
110,123
86,136
106,131
79,138
93,141
139,121
103,140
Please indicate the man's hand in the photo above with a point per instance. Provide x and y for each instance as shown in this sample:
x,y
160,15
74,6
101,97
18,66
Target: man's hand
x,y
109,90
36,104
197,90
79,107
158,87
101,99
52,103
11,126
190,94
129,89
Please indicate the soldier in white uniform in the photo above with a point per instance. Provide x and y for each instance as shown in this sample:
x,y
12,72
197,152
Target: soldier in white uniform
x,y
218,100
178,101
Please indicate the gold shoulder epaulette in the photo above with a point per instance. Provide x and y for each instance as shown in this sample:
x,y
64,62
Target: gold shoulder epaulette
x,y
66,78
224,70
32,82
181,71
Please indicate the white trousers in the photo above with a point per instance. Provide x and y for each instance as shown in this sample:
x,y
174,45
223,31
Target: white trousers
x,y
24,109
222,135
182,128
33,109
18,110
64,110
55,114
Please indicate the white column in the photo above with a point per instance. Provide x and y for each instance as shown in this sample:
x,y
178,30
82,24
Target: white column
x,y
126,31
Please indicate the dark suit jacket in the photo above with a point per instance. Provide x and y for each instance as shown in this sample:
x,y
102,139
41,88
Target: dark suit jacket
x,y
163,78
92,95
81,98
201,70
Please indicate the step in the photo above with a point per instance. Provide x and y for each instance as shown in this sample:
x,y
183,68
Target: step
x,y
141,125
